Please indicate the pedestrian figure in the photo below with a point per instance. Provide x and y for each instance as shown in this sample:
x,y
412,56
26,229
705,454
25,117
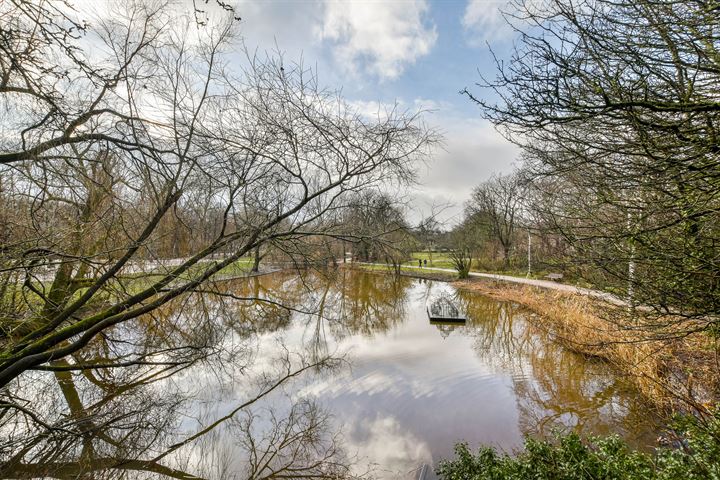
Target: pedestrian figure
x,y
419,263
425,262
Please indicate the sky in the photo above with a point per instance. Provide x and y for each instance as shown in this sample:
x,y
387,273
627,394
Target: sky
x,y
417,53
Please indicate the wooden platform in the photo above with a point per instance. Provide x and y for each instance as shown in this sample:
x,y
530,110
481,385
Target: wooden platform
x,y
443,309
440,319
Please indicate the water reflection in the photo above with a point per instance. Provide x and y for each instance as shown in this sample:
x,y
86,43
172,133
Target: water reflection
x,y
330,375
555,389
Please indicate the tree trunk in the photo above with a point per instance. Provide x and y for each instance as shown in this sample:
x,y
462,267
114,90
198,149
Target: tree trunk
x,y
506,256
256,260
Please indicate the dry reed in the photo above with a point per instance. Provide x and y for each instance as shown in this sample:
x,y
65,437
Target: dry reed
x,y
673,372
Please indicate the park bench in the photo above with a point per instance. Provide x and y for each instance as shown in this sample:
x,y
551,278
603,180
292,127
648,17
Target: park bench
x,y
555,277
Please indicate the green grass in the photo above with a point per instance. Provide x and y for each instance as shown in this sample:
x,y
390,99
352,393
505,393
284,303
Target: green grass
x,y
140,281
443,260
421,272
435,260
240,267
137,282
125,285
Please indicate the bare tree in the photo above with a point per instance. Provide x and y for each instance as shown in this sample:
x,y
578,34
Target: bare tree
x,y
131,152
496,204
465,244
618,101
376,227
297,445
98,158
124,416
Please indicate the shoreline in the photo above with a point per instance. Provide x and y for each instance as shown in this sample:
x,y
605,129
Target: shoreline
x,y
672,374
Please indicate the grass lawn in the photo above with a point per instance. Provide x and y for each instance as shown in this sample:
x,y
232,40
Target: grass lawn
x,y
435,259
422,272
136,282
442,260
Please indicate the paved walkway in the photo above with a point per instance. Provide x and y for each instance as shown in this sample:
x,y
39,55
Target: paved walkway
x,y
533,282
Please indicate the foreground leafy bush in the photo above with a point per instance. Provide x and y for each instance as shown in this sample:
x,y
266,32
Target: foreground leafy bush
x,y
570,458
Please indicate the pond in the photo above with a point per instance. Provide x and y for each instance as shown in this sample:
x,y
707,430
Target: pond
x,y
347,377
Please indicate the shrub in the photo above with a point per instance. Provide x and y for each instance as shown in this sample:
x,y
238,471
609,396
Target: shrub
x,y
571,458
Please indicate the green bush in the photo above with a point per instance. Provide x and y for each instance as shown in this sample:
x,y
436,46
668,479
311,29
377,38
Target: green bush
x,y
571,458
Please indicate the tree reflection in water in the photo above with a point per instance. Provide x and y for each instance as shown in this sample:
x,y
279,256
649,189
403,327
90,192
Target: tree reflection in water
x,y
164,395
211,385
555,388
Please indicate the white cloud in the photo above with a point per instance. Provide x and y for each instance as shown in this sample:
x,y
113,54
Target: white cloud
x,y
382,38
384,441
483,22
371,109
473,151
285,25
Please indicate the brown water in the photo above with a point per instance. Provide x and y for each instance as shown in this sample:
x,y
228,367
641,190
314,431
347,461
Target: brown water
x,y
405,391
